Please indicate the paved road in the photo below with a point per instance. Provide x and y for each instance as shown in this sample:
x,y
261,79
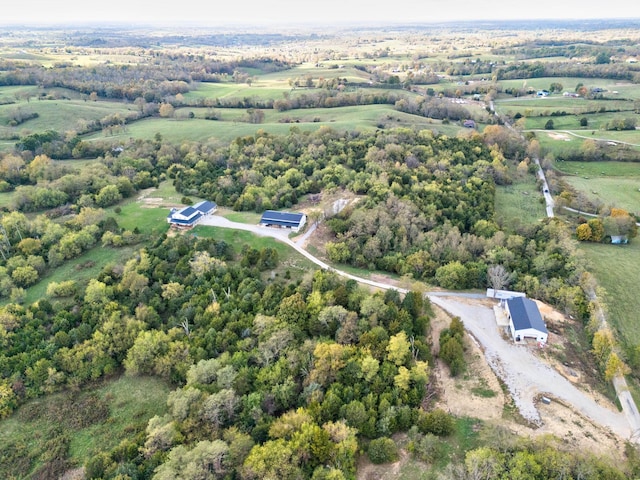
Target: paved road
x,y
545,190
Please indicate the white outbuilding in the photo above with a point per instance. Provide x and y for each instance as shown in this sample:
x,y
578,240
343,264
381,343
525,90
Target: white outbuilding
x,y
525,320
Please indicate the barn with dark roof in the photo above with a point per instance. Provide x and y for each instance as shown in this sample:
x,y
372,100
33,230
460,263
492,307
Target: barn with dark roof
x,y
525,320
190,216
290,220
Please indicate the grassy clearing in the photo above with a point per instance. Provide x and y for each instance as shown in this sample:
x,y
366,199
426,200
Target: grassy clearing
x,y
126,404
148,220
595,169
59,115
367,117
609,191
519,203
288,258
616,269
606,183
6,199
81,269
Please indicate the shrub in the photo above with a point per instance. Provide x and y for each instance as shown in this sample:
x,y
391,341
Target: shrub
x,y
438,422
382,450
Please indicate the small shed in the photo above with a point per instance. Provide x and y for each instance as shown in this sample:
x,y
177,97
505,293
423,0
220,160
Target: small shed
x,y
290,220
525,320
619,239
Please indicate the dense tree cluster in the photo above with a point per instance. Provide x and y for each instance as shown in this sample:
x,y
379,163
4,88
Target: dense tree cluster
x,y
159,76
276,378
616,71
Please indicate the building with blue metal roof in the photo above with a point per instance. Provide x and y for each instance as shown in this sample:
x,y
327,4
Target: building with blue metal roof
x,y
190,216
290,220
525,320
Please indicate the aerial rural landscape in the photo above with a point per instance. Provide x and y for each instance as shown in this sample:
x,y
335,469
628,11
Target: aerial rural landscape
x,y
328,251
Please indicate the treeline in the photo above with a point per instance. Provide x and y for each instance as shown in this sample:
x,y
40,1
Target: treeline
x,y
160,76
615,71
40,183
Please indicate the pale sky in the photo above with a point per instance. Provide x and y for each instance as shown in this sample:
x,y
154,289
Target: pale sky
x,y
331,12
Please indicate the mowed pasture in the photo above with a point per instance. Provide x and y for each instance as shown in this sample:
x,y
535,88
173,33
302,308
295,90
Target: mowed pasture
x,y
558,141
610,184
59,115
234,123
569,84
616,269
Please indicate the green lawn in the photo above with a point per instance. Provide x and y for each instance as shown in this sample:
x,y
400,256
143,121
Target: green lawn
x,y
241,217
366,117
616,269
148,220
126,403
288,258
519,203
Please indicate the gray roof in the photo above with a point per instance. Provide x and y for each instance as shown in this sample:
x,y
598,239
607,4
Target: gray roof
x,y
287,219
205,206
525,314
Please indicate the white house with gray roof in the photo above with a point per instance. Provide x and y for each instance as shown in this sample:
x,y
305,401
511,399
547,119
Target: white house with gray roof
x,y
525,320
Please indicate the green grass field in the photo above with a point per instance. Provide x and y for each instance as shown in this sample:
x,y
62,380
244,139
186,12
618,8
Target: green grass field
x,y
148,220
615,184
288,258
59,115
367,117
610,191
562,142
27,436
519,203
616,269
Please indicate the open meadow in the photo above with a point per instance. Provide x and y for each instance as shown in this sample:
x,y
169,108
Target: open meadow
x,y
68,429
616,268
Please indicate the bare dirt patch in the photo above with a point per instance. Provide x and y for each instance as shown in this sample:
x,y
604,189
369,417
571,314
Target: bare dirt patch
x,y
559,136
475,393
479,394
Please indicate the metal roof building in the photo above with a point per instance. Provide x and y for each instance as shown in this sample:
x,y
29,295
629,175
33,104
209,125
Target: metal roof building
x,y
525,320
293,221
190,216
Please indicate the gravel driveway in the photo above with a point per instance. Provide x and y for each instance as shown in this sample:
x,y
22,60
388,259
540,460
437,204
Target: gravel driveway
x,y
525,375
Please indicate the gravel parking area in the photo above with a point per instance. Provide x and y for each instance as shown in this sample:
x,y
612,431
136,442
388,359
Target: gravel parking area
x,y
524,374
